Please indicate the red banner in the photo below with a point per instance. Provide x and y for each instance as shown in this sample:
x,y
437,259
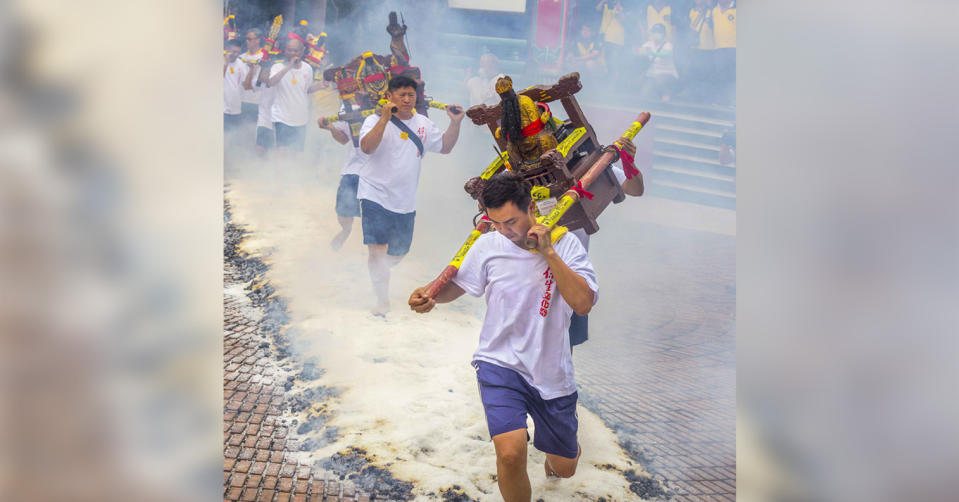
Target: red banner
x,y
550,18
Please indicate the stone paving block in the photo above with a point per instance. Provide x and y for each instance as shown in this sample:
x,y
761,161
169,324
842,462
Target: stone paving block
x,y
301,486
234,493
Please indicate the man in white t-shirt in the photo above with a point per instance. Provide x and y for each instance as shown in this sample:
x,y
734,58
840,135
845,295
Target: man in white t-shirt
x,y
661,77
265,139
482,86
347,205
234,72
252,57
395,141
292,82
523,363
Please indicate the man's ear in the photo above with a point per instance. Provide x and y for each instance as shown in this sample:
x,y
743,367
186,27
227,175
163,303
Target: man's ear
x,y
532,207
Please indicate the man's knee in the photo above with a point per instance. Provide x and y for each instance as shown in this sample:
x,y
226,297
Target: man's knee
x,y
511,457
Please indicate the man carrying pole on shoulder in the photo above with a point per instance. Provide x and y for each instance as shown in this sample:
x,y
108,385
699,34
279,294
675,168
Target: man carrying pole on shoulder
x,y
523,362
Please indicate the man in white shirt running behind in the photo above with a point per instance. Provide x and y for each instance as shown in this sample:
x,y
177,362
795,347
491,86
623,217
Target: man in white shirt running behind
x,y
523,362
395,142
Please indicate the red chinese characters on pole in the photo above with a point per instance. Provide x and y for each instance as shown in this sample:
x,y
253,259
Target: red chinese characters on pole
x,y
544,305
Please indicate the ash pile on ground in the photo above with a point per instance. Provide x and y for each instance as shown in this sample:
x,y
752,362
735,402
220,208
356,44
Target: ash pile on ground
x,y
354,464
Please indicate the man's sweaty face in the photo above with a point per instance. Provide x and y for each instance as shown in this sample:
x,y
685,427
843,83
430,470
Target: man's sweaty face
x,y
404,98
293,48
511,222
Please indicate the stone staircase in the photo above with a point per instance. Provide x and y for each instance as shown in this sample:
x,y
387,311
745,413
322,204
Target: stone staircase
x,y
685,155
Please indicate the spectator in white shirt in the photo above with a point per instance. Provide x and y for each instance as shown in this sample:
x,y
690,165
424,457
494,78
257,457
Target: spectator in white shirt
x,y
395,142
482,86
661,77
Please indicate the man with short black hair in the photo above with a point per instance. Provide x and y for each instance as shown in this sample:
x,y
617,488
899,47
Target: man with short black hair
x,y
523,362
395,141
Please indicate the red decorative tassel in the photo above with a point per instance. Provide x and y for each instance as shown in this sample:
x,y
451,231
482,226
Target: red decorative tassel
x,y
581,191
629,163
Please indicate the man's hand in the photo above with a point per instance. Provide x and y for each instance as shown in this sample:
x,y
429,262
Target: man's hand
x,y
385,111
455,113
322,123
542,235
419,302
627,145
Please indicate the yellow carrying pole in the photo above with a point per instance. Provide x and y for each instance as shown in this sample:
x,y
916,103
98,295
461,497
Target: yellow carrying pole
x,y
571,196
349,115
454,266
443,106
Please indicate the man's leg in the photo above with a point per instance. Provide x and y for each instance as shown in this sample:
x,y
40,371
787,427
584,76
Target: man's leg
x,y
556,430
379,264
346,226
511,466
347,207
561,466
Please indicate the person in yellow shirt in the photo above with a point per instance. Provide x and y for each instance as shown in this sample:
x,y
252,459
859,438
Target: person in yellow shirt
x,y
701,47
701,23
659,12
724,54
724,24
587,55
614,34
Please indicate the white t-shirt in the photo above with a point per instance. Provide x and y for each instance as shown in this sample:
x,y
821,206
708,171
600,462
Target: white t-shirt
x,y
392,172
355,159
482,90
581,234
264,115
291,103
233,86
527,321
252,96
661,65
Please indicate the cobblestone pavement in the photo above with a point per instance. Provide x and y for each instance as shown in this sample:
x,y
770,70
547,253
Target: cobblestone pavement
x,y
659,366
259,462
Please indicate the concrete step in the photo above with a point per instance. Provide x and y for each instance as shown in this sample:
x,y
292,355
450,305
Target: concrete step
x,y
687,193
693,178
707,164
720,113
690,134
690,148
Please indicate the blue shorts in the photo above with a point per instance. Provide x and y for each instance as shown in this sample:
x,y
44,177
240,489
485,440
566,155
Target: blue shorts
x,y
289,136
265,138
382,226
578,329
507,398
347,205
